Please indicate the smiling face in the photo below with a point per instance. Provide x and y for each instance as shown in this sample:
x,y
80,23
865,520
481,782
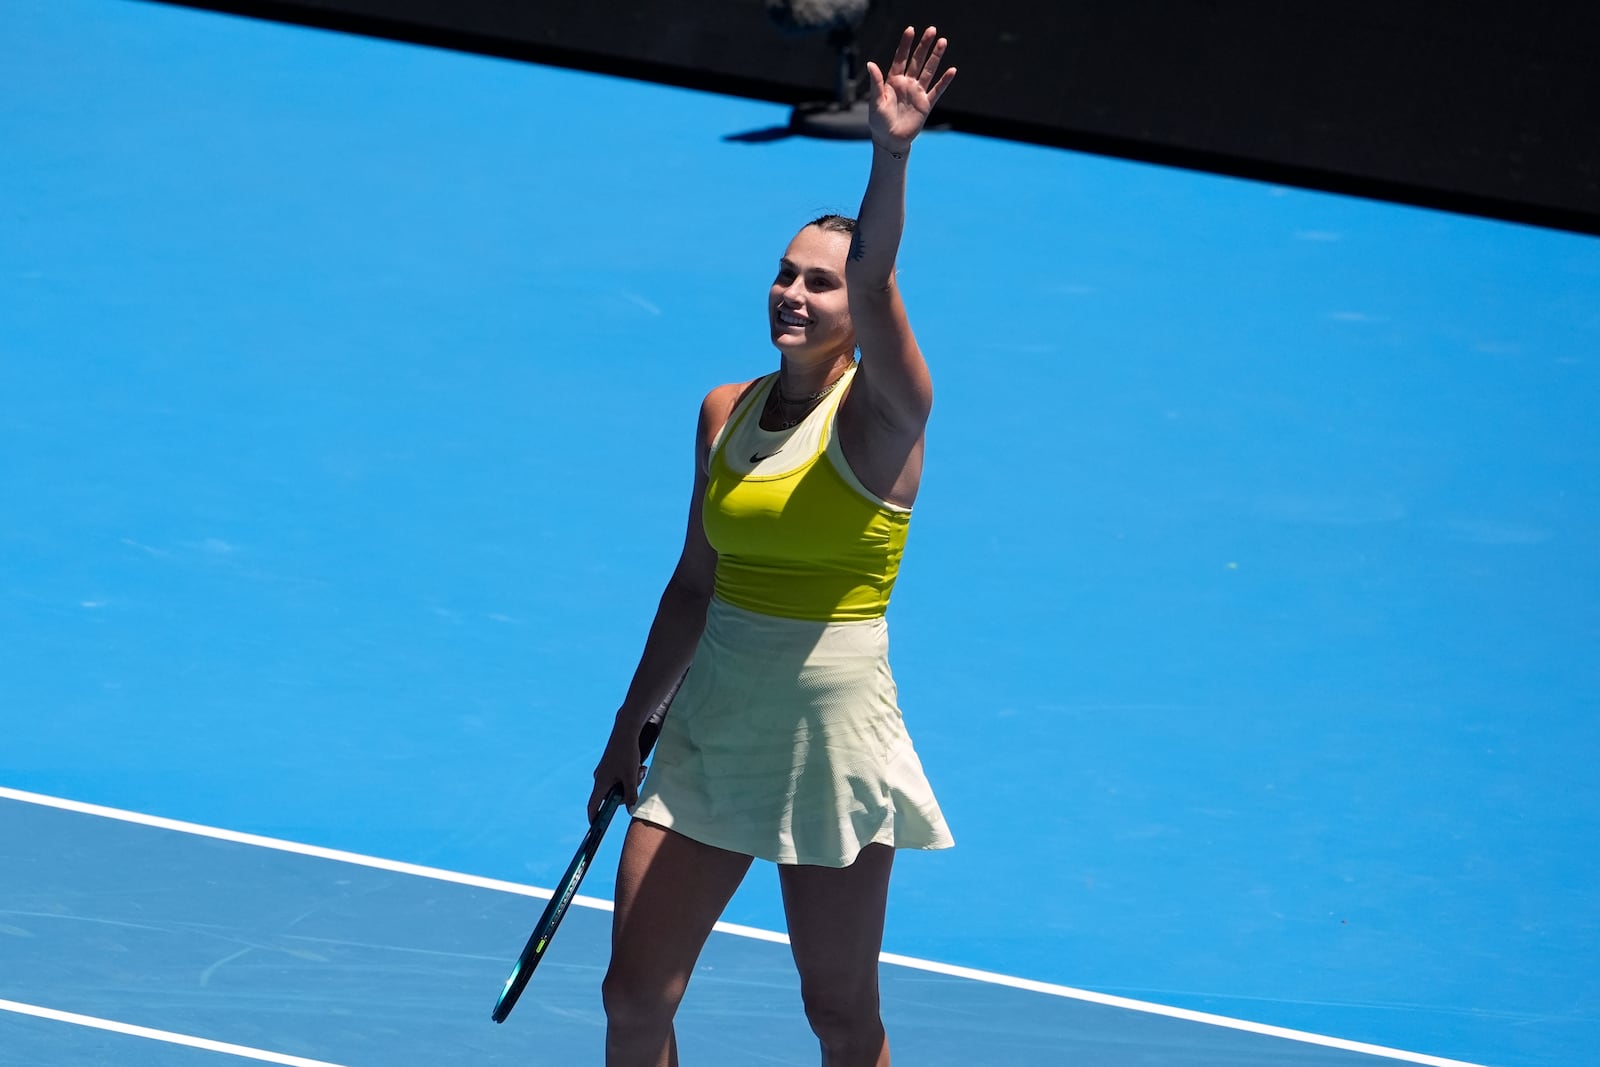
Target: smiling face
x,y
808,308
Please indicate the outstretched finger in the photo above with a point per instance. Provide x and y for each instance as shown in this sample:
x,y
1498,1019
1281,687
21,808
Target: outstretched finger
x,y
919,55
876,77
940,86
931,66
902,52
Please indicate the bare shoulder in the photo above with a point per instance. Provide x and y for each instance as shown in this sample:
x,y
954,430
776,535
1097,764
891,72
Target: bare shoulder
x,y
717,407
720,402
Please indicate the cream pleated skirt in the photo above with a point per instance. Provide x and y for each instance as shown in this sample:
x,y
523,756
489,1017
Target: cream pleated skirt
x,y
786,743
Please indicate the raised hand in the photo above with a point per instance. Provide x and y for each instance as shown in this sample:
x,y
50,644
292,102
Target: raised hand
x,y
899,102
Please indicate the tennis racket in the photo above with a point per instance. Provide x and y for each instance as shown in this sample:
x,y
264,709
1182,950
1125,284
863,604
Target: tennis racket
x,y
545,929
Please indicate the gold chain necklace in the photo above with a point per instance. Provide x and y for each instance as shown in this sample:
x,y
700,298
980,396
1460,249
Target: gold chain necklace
x,y
807,401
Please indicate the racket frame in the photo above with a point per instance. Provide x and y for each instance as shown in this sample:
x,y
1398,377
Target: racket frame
x,y
545,929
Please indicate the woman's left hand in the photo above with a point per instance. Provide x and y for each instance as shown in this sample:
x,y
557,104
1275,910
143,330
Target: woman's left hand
x,y
898,105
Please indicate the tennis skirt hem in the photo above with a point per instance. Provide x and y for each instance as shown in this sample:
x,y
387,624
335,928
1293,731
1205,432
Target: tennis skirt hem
x,y
709,836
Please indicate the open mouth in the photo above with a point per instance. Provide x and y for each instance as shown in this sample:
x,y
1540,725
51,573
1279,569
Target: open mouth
x,y
789,318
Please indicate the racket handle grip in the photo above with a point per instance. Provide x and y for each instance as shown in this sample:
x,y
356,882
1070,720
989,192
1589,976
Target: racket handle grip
x,y
652,726
647,738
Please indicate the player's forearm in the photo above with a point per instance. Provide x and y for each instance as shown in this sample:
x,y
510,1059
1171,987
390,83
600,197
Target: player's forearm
x,y
880,222
674,633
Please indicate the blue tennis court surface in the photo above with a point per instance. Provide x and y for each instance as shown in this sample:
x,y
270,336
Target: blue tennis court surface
x,y
1247,629
313,958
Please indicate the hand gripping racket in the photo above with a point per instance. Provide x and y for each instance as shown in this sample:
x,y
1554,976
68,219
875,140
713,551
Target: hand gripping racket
x,y
545,929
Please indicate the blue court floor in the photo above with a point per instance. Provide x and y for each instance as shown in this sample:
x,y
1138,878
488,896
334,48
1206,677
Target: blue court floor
x,y
310,957
1247,629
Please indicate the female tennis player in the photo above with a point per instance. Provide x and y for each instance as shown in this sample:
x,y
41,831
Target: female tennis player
x,y
786,742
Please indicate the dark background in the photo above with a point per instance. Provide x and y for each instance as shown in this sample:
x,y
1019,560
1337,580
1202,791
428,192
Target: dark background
x,y
1467,105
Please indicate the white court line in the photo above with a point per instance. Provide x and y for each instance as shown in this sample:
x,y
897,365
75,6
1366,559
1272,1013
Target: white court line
x,y
281,845
1148,1008
969,973
161,1035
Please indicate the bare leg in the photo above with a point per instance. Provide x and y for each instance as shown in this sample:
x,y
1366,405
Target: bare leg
x,y
670,891
836,931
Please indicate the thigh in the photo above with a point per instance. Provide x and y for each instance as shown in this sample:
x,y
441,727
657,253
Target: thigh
x,y
670,892
836,917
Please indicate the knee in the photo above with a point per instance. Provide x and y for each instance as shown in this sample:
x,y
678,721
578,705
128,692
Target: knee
x,y
632,1002
844,1016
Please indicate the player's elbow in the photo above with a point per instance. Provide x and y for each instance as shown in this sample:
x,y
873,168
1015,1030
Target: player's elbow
x,y
688,590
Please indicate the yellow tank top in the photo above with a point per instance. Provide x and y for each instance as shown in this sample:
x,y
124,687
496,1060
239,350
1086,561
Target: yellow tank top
x,y
797,535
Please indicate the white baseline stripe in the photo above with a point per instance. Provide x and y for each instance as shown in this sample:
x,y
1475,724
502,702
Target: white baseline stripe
x,y
277,843
161,1035
969,973
1172,1013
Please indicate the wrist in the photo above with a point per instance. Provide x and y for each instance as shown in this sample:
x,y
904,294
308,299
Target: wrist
x,y
894,151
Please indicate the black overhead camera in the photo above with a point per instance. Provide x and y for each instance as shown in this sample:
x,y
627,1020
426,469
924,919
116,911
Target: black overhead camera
x,y
844,117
